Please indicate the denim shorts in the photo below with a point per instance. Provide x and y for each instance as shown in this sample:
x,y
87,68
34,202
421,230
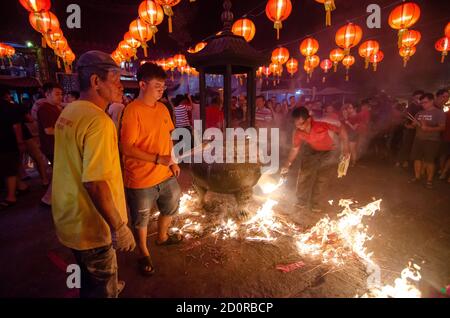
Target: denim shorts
x,y
141,201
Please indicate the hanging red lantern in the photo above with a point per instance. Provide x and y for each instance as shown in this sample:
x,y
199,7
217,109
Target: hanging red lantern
x,y
131,41
367,49
292,66
151,13
126,50
406,53
329,6
376,58
53,36
167,6
348,61
117,57
410,38
447,30
3,49
245,28
259,72
170,63
266,71
309,46
280,55
336,56
10,51
142,32
348,36
325,65
403,17
36,5
44,22
68,57
443,45
179,60
278,11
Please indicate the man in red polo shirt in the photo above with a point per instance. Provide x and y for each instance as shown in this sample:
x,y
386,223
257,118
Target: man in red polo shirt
x,y
315,140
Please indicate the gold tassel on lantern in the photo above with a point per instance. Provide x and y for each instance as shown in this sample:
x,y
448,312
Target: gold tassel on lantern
x,y
154,30
169,12
366,63
400,35
444,54
346,75
375,67
329,6
335,66
278,25
43,42
144,47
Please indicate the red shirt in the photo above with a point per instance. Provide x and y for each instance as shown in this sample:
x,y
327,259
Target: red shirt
x,y
214,117
318,138
364,120
47,116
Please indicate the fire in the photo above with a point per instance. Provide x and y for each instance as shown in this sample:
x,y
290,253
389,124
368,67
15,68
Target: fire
x,y
403,286
336,240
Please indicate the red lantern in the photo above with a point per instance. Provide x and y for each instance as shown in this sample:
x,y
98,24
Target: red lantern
x,y
348,36
443,45
180,61
447,30
347,62
259,72
142,32
36,5
280,55
60,45
167,6
151,13
309,46
376,58
311,63
336,56
403,17
366,49
245,28
410,38
44,22
3,49
266,71
117,57
326,65
292,66
126,50
170,63
278,11
406,53
10,51
329,6
131,41
53,36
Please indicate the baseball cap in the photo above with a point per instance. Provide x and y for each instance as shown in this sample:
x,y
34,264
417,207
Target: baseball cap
x,y
97,59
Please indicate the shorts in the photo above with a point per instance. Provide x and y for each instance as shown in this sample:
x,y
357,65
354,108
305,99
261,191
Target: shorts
x,y
9,164
444,149
141,201
426,150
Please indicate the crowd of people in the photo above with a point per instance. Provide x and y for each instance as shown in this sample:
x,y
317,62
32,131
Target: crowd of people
x,y
103,155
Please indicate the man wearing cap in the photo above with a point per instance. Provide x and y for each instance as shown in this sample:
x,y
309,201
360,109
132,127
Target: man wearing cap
x,y
88,200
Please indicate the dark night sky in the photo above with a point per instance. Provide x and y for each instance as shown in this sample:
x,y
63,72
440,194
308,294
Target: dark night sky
x,y
104,23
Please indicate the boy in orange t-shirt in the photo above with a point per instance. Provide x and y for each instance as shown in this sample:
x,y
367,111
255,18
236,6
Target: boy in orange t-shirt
x,y
149,173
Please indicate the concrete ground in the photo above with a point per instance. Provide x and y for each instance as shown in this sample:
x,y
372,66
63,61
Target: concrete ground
x,y
413,224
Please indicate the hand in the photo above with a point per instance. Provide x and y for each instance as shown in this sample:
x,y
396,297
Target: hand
x,y
175,170
123,239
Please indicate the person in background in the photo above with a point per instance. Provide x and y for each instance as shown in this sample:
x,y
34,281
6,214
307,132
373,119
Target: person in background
x,y
284,107
114,110
47,115
11,142
149,171
264,117
126,99
350,121
430,123
364,120
242,103
292,103
442,97
330,112
409,129
88,201
71,97
182,110
214,114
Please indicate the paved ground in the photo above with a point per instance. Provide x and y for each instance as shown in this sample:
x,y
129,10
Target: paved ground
x,y
413,224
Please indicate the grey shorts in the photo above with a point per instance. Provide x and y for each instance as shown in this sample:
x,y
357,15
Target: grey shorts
x,y
425,150
141,201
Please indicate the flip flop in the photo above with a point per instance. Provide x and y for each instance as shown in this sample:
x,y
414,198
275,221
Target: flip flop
x,y
172,240
144,264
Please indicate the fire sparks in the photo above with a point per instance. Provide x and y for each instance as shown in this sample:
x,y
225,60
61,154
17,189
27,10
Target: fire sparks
x,y
269,187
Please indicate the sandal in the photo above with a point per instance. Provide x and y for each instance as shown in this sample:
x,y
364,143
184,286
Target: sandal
x,y
414,180
146,266
173,239
429,185
6,204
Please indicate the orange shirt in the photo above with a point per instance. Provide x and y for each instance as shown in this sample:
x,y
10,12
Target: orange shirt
x,y
149,129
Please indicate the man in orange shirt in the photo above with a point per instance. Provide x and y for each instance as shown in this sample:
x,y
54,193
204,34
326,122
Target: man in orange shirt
x,y
150,174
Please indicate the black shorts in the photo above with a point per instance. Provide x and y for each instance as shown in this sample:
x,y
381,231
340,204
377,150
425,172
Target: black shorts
x,y
426,150
9,164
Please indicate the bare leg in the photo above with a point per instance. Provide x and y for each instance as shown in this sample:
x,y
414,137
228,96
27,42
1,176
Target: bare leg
x,y
11,186
163,227
353,152
142,241
38,158
418,169
430,167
